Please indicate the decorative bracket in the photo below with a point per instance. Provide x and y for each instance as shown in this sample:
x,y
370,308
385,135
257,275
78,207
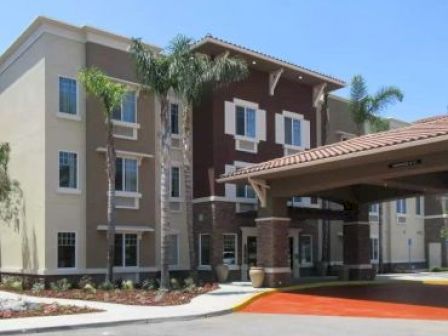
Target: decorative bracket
x,y
318,94
260,187
274,77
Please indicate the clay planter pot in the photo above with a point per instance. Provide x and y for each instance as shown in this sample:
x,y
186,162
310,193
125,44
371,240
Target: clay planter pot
x,y
256,275
222,272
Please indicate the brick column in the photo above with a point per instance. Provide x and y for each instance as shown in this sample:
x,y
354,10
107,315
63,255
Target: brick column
x,y
357,265
272,250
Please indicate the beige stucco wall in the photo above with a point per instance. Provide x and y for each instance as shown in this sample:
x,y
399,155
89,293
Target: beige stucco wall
x,y
65,212
22,111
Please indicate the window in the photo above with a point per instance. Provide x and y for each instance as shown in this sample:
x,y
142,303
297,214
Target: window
x,y
127,110
66,250
374,208
292,132
306,250
175,182
418,205
374,249
204,249
244,191
68,170
174,112
173,249
67,96
126,247
401,206
126,175
229,249
245,121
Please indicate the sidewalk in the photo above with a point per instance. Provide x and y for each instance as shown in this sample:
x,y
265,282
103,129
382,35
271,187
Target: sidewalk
x,y
425,277
218,302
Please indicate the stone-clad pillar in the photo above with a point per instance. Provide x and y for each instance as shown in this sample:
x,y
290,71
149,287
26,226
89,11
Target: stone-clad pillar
x,y
272,242
357,264
272,250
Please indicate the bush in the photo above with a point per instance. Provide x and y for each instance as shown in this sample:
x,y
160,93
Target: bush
x,y
127,285
85,280
37,287
439,269
189,284
61,285
89,288
150,284
12,282
106,285
175,284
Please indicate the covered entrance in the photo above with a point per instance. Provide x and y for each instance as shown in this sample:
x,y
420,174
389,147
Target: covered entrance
x,y
355,173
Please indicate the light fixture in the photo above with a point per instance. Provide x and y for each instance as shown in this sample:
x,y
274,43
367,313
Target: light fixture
x,y
254,62
300,77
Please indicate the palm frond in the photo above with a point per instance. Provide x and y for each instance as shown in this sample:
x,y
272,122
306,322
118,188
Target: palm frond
x,y
384,97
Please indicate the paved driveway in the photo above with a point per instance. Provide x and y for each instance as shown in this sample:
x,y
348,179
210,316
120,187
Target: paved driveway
x,y
241,324
404,300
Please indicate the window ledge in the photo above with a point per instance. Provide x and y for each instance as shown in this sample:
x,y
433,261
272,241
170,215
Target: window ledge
x,y
129,194
69,191
300,148
204,268
68,116
246,200
307,265
245,138
125,124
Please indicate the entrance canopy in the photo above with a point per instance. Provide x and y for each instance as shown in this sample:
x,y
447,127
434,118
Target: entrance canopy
x,y
376,167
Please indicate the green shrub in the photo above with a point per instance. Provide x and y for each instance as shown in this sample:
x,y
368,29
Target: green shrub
x,y
189,284
89,288
85,279
106,285
150,284
175,284
12,282
439,269
127,285
61,285
37,287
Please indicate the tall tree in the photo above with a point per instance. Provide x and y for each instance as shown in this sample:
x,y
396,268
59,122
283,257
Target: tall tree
x,y
194,73
110,94
366,108
153,71
5,182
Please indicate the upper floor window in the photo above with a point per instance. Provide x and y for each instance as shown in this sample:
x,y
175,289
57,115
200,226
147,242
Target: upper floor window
x,y
245,121
126,175
174,119
374,208
401,206
68,170
293,134
127,110
175,182
245,191
67,96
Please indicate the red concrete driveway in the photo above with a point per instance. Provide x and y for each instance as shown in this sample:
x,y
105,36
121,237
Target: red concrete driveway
x,y
398,300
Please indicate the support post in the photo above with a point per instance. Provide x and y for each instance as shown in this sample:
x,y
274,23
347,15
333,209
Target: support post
x,y
357,265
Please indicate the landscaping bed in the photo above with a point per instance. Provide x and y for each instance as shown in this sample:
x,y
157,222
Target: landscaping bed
x,y
124,292
15,308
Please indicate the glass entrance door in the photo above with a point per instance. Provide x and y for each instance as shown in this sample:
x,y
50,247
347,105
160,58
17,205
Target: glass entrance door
x,y
251,251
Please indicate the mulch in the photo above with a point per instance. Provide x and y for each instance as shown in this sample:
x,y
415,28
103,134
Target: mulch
x,y
47,310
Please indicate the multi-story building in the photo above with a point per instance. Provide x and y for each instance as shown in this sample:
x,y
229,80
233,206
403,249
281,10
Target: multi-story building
x,y
56,225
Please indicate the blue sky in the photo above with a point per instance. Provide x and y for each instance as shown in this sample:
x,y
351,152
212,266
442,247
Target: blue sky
x,y
402,43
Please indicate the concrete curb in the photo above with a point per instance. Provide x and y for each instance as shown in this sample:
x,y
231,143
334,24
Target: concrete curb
x,y
117,323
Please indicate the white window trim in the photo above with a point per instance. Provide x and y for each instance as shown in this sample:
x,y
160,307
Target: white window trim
x,y
124,192
422,207
136,195
123,267
251,200
307,264
200,249
372,238
65,190
173,101
235,235
293,116
76,251
178,249
303,204
176,199
135,126
64,115
401,214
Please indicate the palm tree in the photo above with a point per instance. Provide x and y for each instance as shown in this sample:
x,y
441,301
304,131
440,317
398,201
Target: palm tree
x,y
194,73
110,94
365,108
5,183
153,72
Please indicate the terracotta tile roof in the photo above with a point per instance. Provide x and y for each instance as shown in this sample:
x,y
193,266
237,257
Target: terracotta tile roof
x,y
213,38
432,128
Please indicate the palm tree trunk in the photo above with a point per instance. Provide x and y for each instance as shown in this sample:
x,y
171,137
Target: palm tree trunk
x,y
188,181
164,136
110,167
